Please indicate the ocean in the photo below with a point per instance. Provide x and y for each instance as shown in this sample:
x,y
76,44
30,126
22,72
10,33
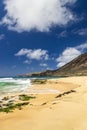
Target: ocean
x,y
11,85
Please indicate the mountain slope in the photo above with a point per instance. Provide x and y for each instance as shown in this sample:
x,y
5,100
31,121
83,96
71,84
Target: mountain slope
x,y
77,67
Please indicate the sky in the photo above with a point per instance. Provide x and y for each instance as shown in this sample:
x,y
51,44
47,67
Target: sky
x,y
41,35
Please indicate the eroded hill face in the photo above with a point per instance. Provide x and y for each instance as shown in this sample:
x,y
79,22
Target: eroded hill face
x,y
77,67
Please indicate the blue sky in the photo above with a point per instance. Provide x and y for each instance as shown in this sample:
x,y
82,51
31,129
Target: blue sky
x,y
41,35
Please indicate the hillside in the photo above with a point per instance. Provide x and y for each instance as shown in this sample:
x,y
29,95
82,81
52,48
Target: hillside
x,y
77,67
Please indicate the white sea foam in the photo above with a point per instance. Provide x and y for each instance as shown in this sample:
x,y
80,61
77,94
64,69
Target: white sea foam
x,y
9,85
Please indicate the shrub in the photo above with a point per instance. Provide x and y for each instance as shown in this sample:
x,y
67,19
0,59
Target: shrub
x,y
39,81
24,97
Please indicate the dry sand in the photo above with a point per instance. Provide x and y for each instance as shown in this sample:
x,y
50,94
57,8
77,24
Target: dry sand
x,y
46,112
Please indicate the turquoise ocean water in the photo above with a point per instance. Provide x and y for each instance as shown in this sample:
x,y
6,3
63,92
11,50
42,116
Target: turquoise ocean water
x,y
10,85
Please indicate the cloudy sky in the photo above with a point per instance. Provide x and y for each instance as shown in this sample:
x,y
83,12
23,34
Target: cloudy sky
x,y
40,35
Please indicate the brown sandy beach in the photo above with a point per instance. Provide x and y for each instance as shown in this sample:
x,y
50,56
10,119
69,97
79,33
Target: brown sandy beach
x,y
50,112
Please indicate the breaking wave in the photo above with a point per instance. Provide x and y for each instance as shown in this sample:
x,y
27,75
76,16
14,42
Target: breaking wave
x,y
9,85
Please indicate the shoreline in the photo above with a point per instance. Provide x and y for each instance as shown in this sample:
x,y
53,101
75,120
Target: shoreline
x,y
52,86
61,110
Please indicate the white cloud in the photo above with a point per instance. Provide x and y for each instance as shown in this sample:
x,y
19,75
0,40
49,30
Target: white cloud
x,y
63,34
49,68
2,36
43,65
81,32
25,15
23,52
27,62
67,55
82,47
70,53
36,54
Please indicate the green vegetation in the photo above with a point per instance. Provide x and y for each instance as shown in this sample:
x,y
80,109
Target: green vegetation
x,y
39,81
7,105
10,107
24,97
7,110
